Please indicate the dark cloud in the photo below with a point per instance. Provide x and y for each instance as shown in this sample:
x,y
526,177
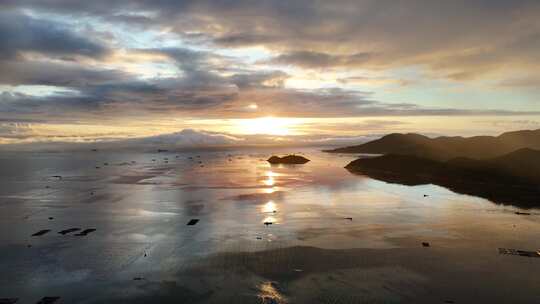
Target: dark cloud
x,y
69,106
459,39
270,79
66,74
245,39
107,90
22,33
139,99
186,59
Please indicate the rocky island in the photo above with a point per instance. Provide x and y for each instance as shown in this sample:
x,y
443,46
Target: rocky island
x,y
289,159
503,169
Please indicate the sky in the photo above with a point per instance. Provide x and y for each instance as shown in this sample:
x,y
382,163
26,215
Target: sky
x,y
237,72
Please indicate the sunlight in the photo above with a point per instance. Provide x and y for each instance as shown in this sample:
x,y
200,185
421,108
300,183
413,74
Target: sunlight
x,y
266,125
270,180
269,207
270,294
269,190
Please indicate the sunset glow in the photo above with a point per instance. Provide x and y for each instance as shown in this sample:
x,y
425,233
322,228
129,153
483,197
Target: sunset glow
x,y
266,126
156,69
275,151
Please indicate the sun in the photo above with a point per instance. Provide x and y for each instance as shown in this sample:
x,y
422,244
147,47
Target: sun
x,y
266,125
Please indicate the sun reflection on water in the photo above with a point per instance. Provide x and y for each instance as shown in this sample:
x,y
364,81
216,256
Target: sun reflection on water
x,y
268,293
269,207
269,219
269,190
269,181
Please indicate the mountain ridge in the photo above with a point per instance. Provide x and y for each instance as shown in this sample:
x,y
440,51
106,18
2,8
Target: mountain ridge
x,y
446,147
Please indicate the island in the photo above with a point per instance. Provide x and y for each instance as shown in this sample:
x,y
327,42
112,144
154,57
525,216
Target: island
x,y
448,147
513,178
289,159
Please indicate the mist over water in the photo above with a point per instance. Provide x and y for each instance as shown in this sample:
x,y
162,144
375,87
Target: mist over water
x,y
358,237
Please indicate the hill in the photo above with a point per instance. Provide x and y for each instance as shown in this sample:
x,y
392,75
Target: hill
x,y
512,178
446,148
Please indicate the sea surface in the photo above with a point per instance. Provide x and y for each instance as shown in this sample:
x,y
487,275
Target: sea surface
x,y
311,233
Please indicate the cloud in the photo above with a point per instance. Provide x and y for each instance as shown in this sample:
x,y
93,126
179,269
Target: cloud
x,y
456,38
307,59
270,79
171,97
15,130
531,81
336,102
21,33
64,74
374,81
187,138
165,60
108,90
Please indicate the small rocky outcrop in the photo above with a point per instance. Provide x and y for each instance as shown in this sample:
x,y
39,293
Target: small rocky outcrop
x,y
289,159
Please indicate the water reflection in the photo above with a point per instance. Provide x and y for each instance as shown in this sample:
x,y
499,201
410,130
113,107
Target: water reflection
x,y
269,190
269,219
269,207
232,200
269,181
269,293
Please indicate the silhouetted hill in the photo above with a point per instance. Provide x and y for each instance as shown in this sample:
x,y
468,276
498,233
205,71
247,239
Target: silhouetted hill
x,y
513,178
524,163
445,148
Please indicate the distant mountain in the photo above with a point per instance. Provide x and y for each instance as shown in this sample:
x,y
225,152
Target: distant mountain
x,y
445,148
512,178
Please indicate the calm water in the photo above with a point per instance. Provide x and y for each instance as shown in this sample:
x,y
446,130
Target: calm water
x,y
143,251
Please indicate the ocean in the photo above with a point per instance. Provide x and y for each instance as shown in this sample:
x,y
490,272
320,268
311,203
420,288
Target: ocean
x,y
312,233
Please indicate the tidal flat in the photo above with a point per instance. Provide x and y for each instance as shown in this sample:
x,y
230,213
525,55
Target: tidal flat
x,y
118,232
